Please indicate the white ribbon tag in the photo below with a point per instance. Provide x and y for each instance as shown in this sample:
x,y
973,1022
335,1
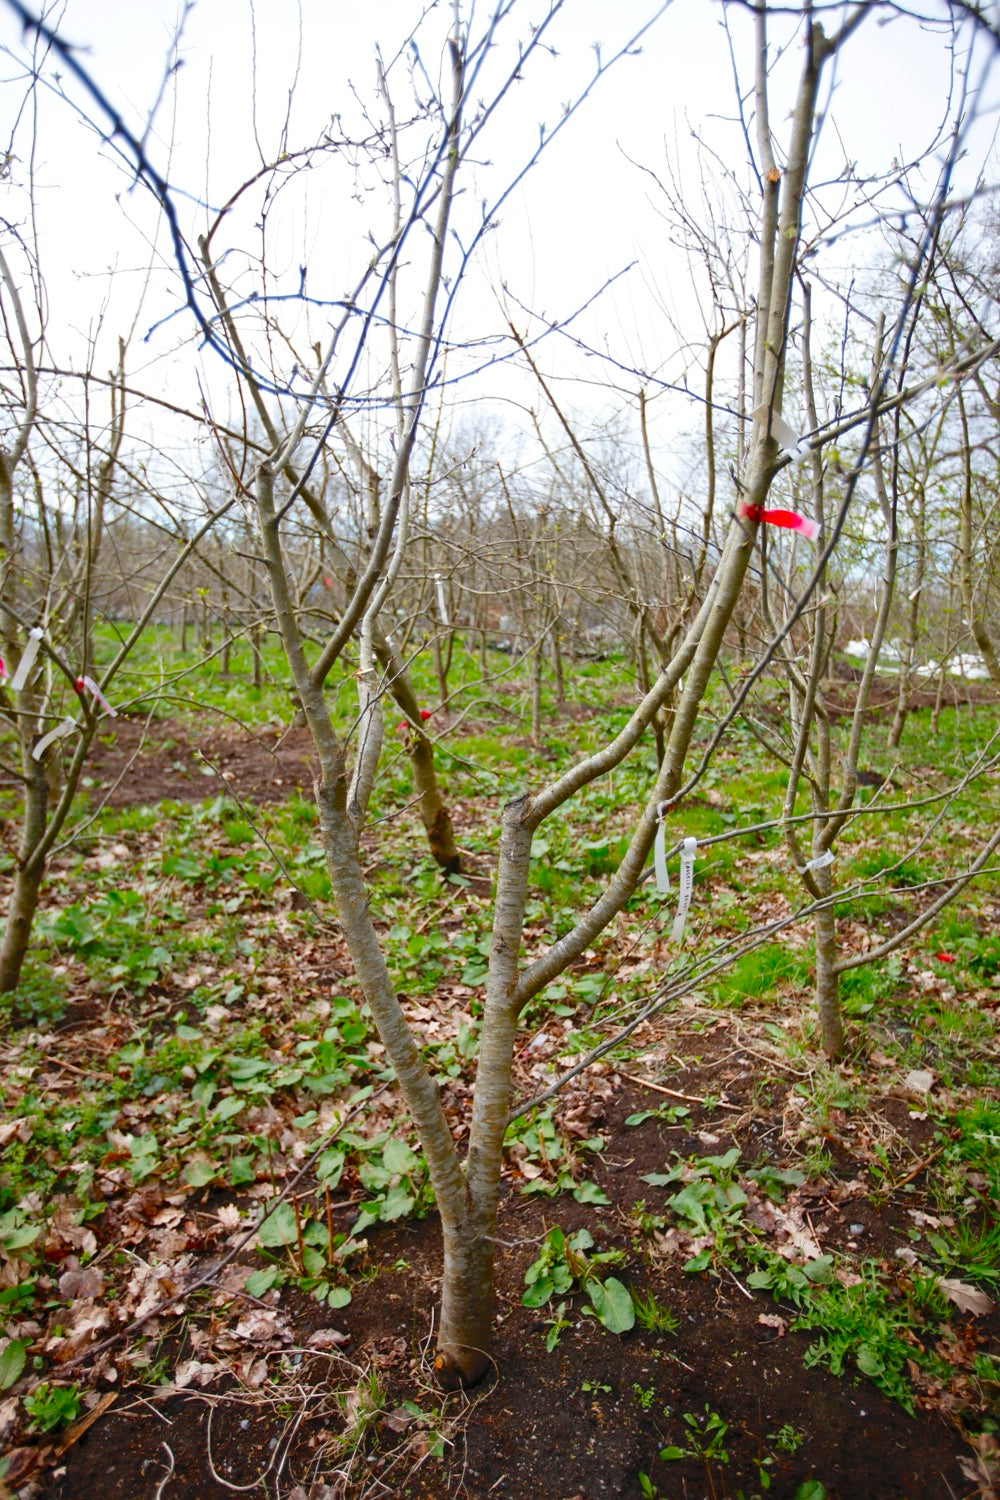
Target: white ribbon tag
x,y
65,726
660,859
442,601
689,849
27,661
91,686
819,863
785,436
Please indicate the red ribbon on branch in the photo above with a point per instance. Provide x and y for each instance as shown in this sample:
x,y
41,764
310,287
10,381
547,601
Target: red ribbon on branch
x,y
789,519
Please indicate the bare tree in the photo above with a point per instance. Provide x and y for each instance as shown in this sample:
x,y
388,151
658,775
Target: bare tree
x,y
413,273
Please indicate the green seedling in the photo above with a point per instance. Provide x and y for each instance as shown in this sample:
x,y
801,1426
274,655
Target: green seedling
x,y
52,1407
653,1315
563,1265
705,1438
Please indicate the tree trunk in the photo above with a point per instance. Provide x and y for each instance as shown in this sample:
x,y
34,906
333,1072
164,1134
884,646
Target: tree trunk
x,y
23,901
434,812
464,1334
256,638
536,694
557,662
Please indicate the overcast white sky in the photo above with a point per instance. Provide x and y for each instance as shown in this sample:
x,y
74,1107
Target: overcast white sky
x,y
583,214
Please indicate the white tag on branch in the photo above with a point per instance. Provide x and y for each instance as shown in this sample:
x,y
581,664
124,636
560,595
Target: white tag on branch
x,y
65,726
819,863
689,849
784,435
24,666
442,601
660,858
95,691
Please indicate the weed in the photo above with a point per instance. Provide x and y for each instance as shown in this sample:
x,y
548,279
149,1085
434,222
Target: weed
x,y
361,1407
557,1326
52,1407
786,1439
705,1440
972,1248
864,1323
645,1395
653,1315
563,1263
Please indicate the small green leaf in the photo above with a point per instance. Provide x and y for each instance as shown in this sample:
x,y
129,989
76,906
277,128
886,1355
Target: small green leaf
x,y
262,1281
198,1174
398,1157
539,1292
869,1362
12,1358
228,1108
338,1296
612,1302
278,1228
589,1192
668,1455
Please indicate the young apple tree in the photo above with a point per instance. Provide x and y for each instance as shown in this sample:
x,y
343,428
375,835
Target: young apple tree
x,y
362,389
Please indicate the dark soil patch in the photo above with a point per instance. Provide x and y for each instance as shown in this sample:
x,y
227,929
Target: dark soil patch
x,y
142,763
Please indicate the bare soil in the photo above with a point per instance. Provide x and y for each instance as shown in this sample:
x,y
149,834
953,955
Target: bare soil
x,y
142,762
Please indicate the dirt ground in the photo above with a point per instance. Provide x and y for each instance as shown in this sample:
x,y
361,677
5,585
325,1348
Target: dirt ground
x,y
585,1420
144,763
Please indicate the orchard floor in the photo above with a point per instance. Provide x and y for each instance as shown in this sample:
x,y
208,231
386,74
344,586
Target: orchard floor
x,y
309,1405
584,1420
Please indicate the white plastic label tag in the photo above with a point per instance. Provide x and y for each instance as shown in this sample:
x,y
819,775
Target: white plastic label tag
x,y
660,860
820,862
689,849
65,726
92,687
27,661
442,601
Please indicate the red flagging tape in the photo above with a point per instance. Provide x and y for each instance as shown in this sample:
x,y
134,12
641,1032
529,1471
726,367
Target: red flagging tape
x,y
790,519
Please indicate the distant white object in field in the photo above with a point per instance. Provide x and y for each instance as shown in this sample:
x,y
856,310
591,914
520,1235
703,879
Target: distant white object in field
x,y
968,664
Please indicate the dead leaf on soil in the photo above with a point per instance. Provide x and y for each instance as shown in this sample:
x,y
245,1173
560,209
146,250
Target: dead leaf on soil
x,y
965,1297
19,1129
81,1284
398,1420
195,1372
327,1338
773,1320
